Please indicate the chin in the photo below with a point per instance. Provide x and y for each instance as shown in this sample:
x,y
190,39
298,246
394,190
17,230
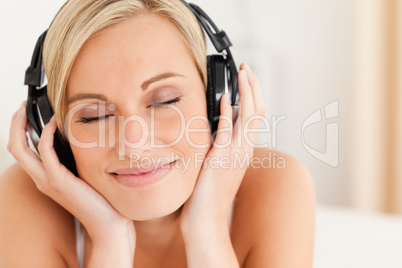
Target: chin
x,y
147,212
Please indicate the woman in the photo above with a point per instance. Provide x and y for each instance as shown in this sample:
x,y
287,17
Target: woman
x,y
122,73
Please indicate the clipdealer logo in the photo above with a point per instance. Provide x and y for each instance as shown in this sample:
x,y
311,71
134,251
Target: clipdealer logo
x,y
331,154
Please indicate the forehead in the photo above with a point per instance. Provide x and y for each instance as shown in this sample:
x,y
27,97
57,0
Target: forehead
x,y
129,53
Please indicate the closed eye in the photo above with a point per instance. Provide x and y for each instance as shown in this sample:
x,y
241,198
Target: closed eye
x,y
88,120
166,104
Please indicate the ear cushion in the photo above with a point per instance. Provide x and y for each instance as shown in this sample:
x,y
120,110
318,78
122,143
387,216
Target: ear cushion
x,y
64,153
46,110
61,147
216,70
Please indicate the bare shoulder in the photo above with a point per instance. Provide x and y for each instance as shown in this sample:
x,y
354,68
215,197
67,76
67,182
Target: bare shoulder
x,y
35,231
274,213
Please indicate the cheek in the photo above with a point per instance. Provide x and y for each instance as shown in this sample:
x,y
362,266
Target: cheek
x,y
197,132
180,126
88,161
167,126
194,145
87,143
87,136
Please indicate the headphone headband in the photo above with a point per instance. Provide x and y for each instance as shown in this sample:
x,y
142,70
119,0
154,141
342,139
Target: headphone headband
x,y
221,43
34,75
219,39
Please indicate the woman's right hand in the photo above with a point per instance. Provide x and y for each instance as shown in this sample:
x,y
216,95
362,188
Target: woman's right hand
x,y
102,222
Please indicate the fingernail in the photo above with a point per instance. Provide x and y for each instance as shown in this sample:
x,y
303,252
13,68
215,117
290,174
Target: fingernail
x,y
247,67
21,109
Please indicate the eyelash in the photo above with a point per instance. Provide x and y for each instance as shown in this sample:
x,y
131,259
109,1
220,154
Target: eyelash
x,y
163,105
166,104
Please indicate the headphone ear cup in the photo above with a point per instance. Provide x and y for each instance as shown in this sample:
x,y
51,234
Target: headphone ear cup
x,y
61,147
216,70
64,153
44,107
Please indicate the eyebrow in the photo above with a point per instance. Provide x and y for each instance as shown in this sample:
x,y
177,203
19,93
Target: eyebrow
x,y
144,86
159,77
84,96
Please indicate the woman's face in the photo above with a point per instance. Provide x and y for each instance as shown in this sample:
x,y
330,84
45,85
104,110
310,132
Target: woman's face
x,y
119,126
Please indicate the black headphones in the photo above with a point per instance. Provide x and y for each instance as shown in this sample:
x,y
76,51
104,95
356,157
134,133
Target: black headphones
x,y
222,78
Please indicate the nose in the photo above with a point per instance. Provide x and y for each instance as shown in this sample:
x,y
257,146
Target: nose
x,y
133,136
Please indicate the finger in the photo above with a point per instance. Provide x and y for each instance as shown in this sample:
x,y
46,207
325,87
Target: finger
x,y
20,149
56,170
225,125
246,97
259,106
10,136
246,107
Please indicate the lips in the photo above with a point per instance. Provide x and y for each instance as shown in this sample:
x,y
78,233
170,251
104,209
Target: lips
x,y
142,176
136,171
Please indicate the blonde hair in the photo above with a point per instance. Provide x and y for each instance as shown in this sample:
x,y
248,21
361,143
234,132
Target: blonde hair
x,y
78,20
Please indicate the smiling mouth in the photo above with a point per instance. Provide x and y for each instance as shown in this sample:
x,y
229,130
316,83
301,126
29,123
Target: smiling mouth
x,y
141,171
139,177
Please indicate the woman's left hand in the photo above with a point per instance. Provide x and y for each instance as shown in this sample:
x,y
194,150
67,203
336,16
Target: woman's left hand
x,y
225,164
